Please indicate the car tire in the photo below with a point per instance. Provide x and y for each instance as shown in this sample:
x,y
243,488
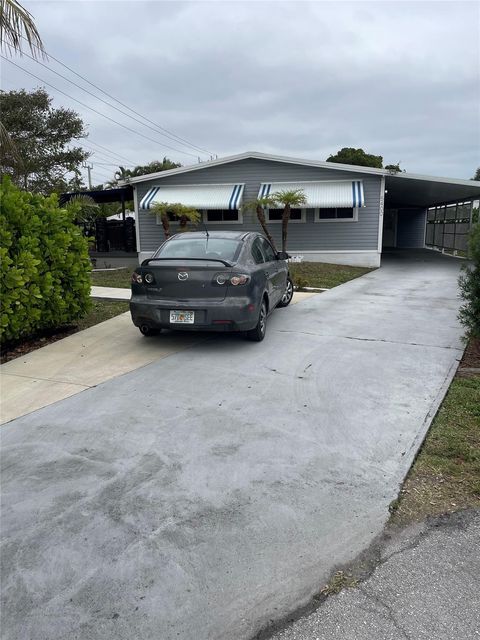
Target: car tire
x,y
288,294
147,331
258,333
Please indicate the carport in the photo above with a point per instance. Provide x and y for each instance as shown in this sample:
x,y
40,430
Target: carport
x,y
423,211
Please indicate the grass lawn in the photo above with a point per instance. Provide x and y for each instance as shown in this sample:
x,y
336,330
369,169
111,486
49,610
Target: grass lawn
x,y
100,310
445,477
119,278
304,274
323,275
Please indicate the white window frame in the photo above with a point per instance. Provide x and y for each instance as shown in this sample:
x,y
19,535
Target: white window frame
x,y
204,213
316,216
301,221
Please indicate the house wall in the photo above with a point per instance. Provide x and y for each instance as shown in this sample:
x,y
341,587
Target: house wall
x,y
338,242
411,228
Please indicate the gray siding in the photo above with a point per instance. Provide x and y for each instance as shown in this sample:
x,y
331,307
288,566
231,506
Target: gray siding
x,y
310,236
411,228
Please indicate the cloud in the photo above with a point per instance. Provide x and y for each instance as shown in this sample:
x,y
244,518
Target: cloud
x,y
400,79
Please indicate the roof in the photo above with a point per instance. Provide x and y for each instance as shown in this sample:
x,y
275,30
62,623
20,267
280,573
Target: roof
x,y
101,195
404,189
257,156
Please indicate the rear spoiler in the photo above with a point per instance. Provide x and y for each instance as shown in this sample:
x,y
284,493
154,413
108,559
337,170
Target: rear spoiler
x,y
149,260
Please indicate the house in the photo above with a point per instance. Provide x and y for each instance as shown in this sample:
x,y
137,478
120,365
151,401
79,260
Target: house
x,y
352,213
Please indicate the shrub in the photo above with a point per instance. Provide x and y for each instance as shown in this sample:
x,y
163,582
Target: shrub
x,y
469,282
44,273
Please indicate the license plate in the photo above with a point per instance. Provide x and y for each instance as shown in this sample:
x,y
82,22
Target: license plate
x,y
182,317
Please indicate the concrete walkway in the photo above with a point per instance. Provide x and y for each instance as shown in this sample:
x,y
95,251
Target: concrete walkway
x,y
425,586
213,491
85,359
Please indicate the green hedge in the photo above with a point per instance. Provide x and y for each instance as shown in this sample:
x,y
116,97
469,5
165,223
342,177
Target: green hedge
x,y
469,283
45,267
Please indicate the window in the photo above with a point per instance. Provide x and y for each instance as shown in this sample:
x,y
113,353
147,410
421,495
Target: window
x,y
222,215
275,215
203,247
257,253
336,214
267,250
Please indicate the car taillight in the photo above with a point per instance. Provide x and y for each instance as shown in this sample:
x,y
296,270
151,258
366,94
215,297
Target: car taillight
x,y
234,279
137,278
221,278
239,279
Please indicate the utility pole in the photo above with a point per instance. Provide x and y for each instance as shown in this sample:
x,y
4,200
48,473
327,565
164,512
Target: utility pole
x,y
89,168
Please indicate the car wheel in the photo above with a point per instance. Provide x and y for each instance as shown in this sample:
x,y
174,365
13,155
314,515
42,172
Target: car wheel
x,y
258,333
147,331
288,294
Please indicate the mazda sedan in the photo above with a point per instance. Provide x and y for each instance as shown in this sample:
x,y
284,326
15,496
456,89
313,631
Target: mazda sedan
x,y
211,281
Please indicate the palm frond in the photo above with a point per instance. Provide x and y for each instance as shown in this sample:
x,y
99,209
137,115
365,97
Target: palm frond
x,y
16,26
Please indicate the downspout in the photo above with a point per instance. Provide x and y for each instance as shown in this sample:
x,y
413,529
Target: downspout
x,y
137,219
380,216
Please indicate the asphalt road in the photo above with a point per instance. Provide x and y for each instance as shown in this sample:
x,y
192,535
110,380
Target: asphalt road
x,y
426,586
213,491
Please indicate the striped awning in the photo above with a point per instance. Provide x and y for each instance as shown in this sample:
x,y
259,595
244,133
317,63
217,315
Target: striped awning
x,y
199,196
338,193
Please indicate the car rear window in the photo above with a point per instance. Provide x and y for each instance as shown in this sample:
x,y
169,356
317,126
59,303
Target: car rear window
x,y
218,248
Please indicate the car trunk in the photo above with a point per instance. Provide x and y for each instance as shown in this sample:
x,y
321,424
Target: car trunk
x,y
185,280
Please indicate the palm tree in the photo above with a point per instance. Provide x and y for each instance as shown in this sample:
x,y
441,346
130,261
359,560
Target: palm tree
x,y
179,211
289,199
17,26
260,204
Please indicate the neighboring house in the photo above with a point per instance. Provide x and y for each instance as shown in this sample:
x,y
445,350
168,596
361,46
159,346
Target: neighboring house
x,y
351,214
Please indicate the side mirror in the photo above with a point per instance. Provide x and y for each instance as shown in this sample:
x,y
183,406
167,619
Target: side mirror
x,y
282,255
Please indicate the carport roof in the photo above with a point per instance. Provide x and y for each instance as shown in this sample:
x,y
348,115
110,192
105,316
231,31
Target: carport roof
x,y
411,190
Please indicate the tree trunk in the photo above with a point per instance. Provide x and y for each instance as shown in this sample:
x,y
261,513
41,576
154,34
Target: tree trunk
x,y
166,225
285,219
263,223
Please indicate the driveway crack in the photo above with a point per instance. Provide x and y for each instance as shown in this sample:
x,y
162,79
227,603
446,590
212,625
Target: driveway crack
x,y
412,344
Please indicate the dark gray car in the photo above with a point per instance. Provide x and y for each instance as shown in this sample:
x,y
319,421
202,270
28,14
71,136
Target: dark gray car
x,y
211,281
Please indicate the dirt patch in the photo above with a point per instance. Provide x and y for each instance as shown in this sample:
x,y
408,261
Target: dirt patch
x,y
470,363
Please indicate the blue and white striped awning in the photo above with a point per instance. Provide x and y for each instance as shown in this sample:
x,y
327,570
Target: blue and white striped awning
x,y
325,194
199,196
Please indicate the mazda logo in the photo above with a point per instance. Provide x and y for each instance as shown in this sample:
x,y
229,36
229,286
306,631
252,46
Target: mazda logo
x,y
183,275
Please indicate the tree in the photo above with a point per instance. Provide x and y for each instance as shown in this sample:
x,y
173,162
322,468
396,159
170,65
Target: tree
x,y
477,174
156,166
469,282
42,136
288,199
393,168
176,211
349,155
260,204
16,27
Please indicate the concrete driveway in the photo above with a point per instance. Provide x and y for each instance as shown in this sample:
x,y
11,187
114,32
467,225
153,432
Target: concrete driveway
x,y
211,492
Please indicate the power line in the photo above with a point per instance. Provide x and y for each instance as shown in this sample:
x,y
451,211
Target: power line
x,y
156,129
103,155
113,153
79,75
97,112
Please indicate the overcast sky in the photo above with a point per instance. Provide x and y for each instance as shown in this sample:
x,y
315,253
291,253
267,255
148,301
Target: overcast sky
x,y
399,79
